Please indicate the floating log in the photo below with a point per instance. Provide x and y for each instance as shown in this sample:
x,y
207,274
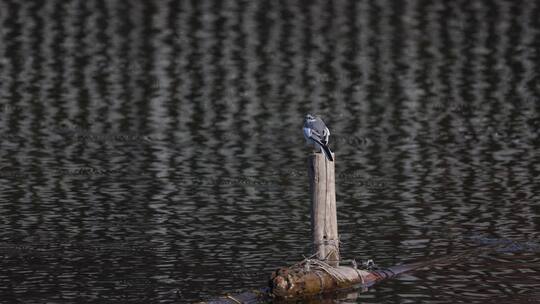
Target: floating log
x,y
290,283
312,277
296,283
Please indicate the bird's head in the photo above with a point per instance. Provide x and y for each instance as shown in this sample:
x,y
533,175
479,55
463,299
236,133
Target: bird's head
x,y
309,117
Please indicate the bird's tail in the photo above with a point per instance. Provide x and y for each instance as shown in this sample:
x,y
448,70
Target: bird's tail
x,y
327,152
325,149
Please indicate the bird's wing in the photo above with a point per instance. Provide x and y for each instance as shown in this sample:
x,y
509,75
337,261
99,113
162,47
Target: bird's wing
x,y
326,135
320,128
316,135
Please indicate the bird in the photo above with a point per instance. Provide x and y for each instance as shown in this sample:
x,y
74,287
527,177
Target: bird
x,y
317,133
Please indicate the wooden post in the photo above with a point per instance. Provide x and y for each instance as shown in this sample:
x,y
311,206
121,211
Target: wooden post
x,y
323,208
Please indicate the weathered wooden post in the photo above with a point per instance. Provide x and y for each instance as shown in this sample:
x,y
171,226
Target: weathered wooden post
x,y
323,208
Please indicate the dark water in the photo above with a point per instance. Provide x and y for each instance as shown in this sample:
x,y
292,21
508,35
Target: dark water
x,y
151,151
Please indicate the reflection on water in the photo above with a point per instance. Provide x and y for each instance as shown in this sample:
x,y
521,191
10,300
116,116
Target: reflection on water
x,y
152,151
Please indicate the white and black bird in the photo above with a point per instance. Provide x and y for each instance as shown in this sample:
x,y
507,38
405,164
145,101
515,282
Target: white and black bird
x,y
316,133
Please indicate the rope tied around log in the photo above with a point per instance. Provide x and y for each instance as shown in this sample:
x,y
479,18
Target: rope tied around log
x,y
309,264
312,276
335,243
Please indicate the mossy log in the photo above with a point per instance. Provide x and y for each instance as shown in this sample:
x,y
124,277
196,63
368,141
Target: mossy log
x,y
295,282
290,283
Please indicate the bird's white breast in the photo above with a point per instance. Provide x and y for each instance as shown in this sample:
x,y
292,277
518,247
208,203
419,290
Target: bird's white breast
x,y
307,133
